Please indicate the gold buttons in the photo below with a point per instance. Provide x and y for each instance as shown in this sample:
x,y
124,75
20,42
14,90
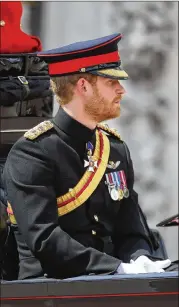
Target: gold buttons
x,y
93,232
96,218
2,23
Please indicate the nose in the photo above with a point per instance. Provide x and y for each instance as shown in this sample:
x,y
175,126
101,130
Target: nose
x,y
120,89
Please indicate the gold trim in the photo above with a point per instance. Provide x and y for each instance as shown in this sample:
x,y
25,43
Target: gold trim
x,y
114,73
92,184
10,214
41,128
112,131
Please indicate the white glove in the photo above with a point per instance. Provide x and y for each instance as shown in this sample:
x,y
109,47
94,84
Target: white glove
x,y
151,266
130,268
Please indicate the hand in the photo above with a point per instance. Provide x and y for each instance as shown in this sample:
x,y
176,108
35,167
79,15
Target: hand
x,y
130,268
152,266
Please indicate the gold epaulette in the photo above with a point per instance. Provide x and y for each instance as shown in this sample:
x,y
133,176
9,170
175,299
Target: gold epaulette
x,y
41,128
111,131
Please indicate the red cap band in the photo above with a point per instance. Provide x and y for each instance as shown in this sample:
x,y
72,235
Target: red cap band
x,y
77,64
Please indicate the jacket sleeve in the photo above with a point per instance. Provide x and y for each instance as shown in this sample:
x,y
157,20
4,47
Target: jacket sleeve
x,y
131,237
29,180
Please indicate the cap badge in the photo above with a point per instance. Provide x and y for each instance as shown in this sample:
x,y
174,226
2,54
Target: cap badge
x,y
83,69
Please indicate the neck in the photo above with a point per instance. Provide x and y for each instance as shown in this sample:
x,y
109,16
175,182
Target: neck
x,y
77,113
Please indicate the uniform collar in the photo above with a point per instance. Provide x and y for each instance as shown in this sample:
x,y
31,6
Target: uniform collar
x,y
72,127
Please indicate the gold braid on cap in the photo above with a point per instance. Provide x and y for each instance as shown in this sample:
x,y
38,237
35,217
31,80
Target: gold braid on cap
x,y
111,131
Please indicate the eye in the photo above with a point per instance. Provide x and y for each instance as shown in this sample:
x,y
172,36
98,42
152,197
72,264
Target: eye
x,y
111,81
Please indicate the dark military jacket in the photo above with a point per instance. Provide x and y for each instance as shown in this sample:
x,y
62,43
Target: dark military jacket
x,y
40,170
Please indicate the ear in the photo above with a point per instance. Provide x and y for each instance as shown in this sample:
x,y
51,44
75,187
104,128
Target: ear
x,y
83,87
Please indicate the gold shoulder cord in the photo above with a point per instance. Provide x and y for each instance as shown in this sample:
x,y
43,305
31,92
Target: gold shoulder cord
x,y
111,131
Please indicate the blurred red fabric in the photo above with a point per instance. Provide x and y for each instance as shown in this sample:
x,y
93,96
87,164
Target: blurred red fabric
x,y
12,38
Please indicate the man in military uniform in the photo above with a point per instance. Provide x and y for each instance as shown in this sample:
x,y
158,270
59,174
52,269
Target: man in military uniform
x,y
70,180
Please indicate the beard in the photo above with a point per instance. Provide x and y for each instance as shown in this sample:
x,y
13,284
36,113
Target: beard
x,y
100,109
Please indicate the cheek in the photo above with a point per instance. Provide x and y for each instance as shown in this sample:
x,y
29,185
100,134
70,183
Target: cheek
x,y
90,94
108,95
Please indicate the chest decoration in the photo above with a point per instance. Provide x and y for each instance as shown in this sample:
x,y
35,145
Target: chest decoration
x,y
117,185
113,165
92,163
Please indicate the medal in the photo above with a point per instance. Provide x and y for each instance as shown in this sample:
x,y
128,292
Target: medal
x,y
120,194
119,185
91,163
89,147
113,186
126,192
124,183
114,194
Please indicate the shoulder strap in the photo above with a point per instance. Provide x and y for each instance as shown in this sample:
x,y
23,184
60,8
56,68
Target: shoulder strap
x,y
38,130
111,131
